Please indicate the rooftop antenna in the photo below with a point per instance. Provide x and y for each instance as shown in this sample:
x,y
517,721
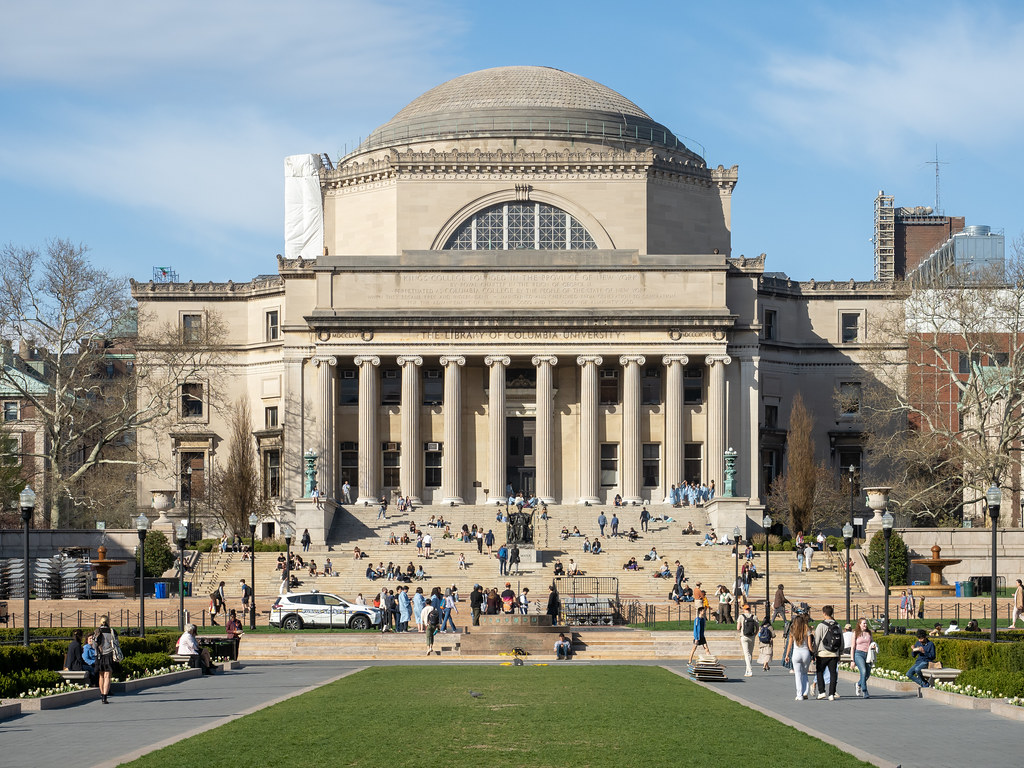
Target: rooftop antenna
x,y
937,163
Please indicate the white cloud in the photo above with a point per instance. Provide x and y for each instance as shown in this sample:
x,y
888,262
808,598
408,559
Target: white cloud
x,y
886,87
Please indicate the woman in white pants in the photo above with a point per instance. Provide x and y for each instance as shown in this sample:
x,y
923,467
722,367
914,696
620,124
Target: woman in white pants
x,y
799,650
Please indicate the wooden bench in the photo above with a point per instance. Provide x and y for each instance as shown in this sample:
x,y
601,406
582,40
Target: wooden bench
x,y
69,676
941,674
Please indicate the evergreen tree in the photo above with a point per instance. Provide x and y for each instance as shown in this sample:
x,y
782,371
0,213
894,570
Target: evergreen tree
x,y
898,562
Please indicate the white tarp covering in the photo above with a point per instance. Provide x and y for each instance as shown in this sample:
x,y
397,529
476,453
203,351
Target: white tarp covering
x,y
303,209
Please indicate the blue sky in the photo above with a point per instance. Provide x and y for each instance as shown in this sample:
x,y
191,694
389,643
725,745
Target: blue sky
x,y
155,132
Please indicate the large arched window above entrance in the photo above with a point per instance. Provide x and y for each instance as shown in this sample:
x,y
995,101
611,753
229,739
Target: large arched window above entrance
x,y
517,226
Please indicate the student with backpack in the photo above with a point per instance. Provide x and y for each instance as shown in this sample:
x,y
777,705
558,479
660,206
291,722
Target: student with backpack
x,y
766,644
746,625
828,643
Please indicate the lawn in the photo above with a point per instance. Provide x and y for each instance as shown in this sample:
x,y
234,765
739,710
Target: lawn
x,y
533,716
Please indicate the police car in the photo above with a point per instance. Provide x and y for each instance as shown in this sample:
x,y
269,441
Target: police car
x,y
296,610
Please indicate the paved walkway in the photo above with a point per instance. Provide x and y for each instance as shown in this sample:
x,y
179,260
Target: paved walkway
x,y
889,729
899,728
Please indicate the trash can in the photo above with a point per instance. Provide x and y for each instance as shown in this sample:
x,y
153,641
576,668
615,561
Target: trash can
x,y
187,588
160,590
959,589
968,588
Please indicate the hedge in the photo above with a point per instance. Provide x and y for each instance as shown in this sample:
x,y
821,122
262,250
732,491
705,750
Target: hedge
x,y
12,686
49,655
990,667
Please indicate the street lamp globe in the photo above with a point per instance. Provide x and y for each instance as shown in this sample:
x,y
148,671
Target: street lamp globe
x,y
253,521
27,502
182,532
994,497
887,521
847,531
736,533
767,522
142,523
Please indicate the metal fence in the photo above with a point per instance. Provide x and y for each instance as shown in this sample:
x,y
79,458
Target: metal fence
x,y
588,600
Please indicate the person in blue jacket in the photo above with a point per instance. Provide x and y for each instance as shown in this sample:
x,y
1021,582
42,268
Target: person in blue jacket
x,y
698,633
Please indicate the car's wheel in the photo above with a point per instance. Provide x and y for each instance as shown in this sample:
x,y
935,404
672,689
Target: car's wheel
x,y
292,622
359,622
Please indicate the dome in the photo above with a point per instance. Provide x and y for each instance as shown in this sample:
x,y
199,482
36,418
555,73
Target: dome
x,y
522,100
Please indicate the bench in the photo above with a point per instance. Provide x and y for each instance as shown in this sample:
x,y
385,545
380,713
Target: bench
x,y
81,676
941,674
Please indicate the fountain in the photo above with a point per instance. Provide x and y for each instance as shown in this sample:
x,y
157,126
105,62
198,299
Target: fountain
x,y
935,587
102,567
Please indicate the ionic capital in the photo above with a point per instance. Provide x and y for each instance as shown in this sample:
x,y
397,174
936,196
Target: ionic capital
x,y
447,360
497,360
713,359
325,360
625,360
541,359
584,359
405,360
670,359
366,360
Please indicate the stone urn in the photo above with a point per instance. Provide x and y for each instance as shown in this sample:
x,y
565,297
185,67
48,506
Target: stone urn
x,y
878,500
163,501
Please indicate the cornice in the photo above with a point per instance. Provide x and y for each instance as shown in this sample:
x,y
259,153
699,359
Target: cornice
x,y
263,286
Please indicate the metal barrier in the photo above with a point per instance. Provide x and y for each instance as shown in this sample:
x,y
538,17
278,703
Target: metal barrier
x,y
588,600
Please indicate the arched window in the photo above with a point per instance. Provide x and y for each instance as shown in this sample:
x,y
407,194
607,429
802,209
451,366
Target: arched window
x,y
515,226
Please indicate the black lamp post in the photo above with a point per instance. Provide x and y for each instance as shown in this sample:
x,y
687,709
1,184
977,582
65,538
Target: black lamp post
x,y
994,497
191,534
767,523
142,526
252,562
887,521
27,500
736,538
289,531
182,537
848,540
853,471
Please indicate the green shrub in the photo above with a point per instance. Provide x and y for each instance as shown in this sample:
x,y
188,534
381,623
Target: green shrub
x,y
788,546
206,545
269,545
898,563
15,658
142,663
12,685
1000,681
159,556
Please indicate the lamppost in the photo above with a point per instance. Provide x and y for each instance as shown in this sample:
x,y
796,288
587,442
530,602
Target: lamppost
x,y
887,521
142,526
736,538
191,534
182,537
27,500
853,471
848,540
289,532
252,562
994,497
767,523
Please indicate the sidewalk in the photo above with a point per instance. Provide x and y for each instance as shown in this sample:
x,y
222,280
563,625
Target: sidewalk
x,y
899,728
133,724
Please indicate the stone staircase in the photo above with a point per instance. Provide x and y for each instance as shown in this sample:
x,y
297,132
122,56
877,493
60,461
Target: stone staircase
x,y
357,526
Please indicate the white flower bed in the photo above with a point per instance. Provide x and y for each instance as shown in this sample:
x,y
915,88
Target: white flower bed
x,y
965,690
36,693
154,672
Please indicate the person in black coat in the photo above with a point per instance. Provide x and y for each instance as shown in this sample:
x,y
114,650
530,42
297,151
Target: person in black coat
x,y
73,661
554,605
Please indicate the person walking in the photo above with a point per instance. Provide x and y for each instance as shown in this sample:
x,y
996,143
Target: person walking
x,y
218,603
680,575
479,536
513,559
698,633
447,610
382,511
746,626
503,560
306,540
489,541
779,603
106,640
427,541
864,649
1018,604
766,644
798,652
431,618
615,525
476,599
246,595
645,516
554,605
602,521
828,644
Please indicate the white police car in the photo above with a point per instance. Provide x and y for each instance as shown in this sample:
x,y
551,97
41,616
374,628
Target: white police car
x,y
296,610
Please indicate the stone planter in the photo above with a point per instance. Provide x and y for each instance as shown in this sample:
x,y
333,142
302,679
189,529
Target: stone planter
x,y
129,686
163,501
58,700
897,686
1010,711
957,700
878,500
7,711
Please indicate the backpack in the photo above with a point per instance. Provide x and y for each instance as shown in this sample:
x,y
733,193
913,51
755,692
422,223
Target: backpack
x,y
432,618
832,640
749,626
765,635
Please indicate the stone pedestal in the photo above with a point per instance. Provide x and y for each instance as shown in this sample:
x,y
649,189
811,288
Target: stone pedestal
x,y
499,634
724,514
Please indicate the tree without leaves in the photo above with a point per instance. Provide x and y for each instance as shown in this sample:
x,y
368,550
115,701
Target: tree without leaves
x,y
11,481
792,494
945,418
58,301
237,490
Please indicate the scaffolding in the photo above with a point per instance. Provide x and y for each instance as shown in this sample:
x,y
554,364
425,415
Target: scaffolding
x,y
164,275
885,237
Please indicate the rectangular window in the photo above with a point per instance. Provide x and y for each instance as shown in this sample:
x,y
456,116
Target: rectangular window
x,y
849,327
10,410
272,474
608,391
193,485
192,400
270,416
432,467
651,465
609,464
10,449
771,416
349,464
192,328
849,398
692,464
650,386
771,466
273,325
693,386
768,327
390,386
392,463
433,387
348,386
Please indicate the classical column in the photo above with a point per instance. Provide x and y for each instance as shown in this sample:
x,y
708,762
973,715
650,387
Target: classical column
x,y
369,442
674,421
749,459
411,470
497,476
631,480
544,446
589,451
716,419
451,461
328,451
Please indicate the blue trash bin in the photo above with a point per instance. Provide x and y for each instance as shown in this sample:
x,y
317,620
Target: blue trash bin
x,y
959,589
160,590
